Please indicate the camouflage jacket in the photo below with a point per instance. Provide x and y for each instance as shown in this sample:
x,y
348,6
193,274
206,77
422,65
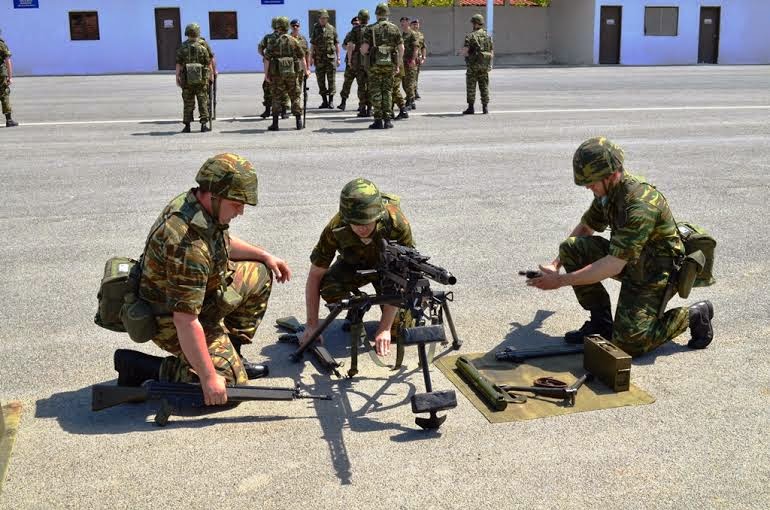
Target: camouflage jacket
x,y
283,46
477,42
411,44
265,40
383,33
302,43
5,53
338,237
186,263
206,45
420,41
643,230
324,41
349,38
193,52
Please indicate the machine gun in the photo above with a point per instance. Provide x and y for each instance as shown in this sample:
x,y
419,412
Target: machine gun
x,y
404,281
178,398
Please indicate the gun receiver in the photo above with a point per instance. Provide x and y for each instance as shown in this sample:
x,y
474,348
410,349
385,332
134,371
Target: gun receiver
x,y
176,397
530,273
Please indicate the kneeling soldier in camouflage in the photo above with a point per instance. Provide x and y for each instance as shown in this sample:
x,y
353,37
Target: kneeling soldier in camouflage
x,y
207,288
365,217
643,246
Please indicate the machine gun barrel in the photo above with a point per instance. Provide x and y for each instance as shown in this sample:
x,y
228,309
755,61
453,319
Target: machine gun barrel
x,y
393,252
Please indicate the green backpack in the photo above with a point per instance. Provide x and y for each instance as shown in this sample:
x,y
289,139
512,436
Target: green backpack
x,y
113,289
698,265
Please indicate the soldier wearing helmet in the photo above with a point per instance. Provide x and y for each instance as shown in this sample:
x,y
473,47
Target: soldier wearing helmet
x,y
350,72
325,56
207,288
478,52
365,216
267,96
6,77
356,60
284,59
193,71
643,249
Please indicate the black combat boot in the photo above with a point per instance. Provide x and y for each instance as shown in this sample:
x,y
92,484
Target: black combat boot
x,y
470,110
186,128
266,113
377,124
299,122
402,114
412,106
361,111
700,325
388,123
600,324
484,109
325,103
416,94
9,122
205,127
253,370
274,125
284,113
368,111
135,367
341,106
331,102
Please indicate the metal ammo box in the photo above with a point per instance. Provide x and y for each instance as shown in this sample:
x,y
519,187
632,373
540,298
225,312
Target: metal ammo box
x,y
610,364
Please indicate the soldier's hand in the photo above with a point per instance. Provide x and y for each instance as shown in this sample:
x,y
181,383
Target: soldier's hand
x,y
307,333
279,268
214,390
267,78
397,70
549,280
178,82
382,343
338,61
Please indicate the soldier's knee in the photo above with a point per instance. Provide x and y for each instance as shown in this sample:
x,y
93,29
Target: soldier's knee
x,y
567,252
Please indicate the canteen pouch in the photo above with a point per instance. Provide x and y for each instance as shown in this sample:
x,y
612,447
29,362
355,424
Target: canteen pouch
x,y
692,266
113,288
485,59
286,66
193,74
138,318
383,56
696,239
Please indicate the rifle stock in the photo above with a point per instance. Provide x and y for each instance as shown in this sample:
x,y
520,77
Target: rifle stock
x,y
104,396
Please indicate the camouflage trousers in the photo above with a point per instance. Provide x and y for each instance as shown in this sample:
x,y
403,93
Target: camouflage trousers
x,y
398,99
636,328
362,86
325,73
253,282
381,91
281,86
474,75
267,96
5,96
410,81
350,76
417,77
189,94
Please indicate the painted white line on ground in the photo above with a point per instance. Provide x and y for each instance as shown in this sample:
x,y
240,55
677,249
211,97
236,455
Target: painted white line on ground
x,y
428,114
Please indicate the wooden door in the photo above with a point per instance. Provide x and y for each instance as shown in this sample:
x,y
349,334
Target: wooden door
x,y
708,45
609,34
168,34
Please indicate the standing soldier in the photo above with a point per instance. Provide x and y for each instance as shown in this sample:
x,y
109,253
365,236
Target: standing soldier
x,y
193,63
283,59
385,47
423,54
267,99
325,55
478,53
350,73
213,73
409,73
6,77
295,25
361,64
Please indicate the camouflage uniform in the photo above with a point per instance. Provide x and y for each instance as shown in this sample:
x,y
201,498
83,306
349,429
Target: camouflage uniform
x,y
420,47
396,97
350,72
284,46
300,75
644,234
409,74
324,40
477,70
361,70
5,89
187,269
267,96
192,52
385,34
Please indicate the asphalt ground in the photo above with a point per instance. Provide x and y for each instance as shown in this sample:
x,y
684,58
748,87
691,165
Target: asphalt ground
x,y
96,158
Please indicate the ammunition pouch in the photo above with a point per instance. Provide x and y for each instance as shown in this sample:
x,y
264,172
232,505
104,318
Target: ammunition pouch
x,y
383,56
696,239
485,60
285,66
223,303
113,289
692,266
194,74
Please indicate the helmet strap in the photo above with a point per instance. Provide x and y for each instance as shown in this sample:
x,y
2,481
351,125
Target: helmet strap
x,y
215,203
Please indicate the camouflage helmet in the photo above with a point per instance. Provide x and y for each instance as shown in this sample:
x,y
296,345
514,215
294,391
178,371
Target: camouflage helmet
x,y
382,10
323,13
281,23
360,202
274,23
229,176
363,16
595,159
477,18
192,30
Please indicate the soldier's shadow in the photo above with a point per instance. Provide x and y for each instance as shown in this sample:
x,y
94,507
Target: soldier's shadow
x,y
331,131
441,115
158,133
248,131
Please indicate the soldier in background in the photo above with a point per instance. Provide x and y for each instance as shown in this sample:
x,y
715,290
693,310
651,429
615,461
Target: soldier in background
x,y
350,73
325,55
207,289
423,53
283,60
295,26
411,52
267,98
642,249
213,73
6,78
193,63
385,47
361,64
478,53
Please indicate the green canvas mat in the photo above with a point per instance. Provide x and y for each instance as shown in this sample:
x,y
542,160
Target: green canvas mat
x,y
9,424
568,368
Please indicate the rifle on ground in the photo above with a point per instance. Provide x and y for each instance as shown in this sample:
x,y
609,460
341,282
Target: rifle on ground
x,y
404,276
176,398
304,100
212,101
